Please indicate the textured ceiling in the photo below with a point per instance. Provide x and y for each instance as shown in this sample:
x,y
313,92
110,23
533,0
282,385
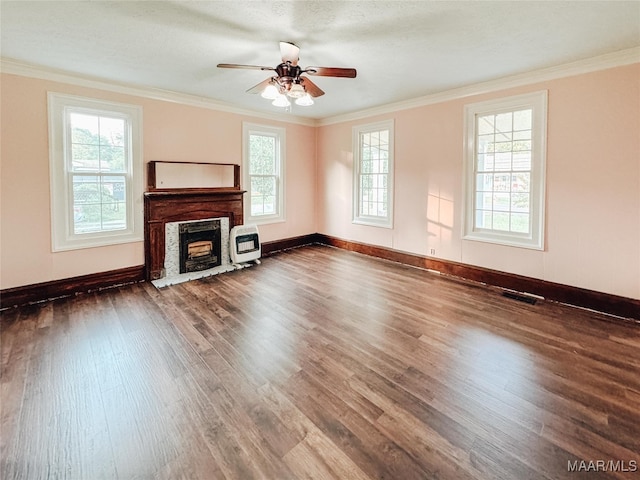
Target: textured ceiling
x,y
401,49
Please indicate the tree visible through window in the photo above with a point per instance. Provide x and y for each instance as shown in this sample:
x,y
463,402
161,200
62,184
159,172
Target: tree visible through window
x,y
96,172
263,172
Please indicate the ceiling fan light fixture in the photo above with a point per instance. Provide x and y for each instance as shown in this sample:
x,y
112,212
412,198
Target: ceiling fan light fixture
x,y
271,92
305,100
288,85
296,91
281,101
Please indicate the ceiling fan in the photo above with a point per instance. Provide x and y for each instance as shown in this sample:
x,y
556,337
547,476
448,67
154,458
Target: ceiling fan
x,y
288,80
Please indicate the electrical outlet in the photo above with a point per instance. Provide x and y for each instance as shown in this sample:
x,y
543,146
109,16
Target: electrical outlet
x,y
432,251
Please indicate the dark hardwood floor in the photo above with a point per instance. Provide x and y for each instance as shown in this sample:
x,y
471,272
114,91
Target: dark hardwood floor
x,y
317,364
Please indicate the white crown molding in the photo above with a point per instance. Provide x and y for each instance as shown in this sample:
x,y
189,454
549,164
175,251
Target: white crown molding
x,y
15,67
602,62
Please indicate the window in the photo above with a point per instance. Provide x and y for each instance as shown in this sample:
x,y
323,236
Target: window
x,y
505,149
263,173
373,174
95,163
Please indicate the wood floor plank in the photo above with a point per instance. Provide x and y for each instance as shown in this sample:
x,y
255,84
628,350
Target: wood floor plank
x,y
321,364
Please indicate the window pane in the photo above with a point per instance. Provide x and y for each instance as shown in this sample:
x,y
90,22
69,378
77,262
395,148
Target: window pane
x,y
484,200
520,202
522,120
501,221
501,196
522,146
373,167
501,183
85,158
98,143
84,128
503,146
485,162
112,159
520,222
486,143
522,135
484,182
269,205
504,122
501,201
262,155
263,195
520,182
484,219
112,131
114,216
522,161
503,161
99,203
486,124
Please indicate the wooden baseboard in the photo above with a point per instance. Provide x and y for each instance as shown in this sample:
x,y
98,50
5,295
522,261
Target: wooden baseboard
x,y
269,248
580,297
40,292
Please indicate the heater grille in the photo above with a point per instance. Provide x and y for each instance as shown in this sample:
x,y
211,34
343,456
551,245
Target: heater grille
x,y
244,241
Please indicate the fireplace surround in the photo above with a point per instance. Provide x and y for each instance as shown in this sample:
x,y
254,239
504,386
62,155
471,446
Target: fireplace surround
x,y
162,206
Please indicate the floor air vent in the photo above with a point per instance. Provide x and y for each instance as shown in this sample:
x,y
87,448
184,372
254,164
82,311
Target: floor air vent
x,y
520,297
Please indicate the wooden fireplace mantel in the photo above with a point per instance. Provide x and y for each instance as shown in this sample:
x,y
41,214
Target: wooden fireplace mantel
x,y
177,205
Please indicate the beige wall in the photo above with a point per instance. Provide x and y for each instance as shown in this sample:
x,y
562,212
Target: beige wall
x,y
171,132
593,185
593,181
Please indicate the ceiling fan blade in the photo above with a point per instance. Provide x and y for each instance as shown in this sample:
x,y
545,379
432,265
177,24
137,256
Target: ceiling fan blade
x,y
289,52
310,87
331,72
252,67
260,87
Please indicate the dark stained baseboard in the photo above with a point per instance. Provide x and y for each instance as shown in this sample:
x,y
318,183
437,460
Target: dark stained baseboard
x,y
579,297
66,287
269,248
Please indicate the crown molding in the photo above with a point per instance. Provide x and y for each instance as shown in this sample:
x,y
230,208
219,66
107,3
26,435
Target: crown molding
x,y
602,62
15,67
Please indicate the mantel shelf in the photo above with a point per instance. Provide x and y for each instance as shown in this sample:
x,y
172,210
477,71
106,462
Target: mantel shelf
x,y
182,205
178,192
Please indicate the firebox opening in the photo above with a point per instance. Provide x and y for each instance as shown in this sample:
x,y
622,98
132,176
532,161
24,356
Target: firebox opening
x,y
200,249
200,245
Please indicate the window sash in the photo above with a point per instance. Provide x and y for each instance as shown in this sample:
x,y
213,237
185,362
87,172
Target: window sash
x,y
92,203
263,173
502,199
373,179
100,209
259,199
504,171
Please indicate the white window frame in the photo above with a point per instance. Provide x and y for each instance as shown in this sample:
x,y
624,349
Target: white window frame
x,y
62,234
358,131
537,101
279,134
